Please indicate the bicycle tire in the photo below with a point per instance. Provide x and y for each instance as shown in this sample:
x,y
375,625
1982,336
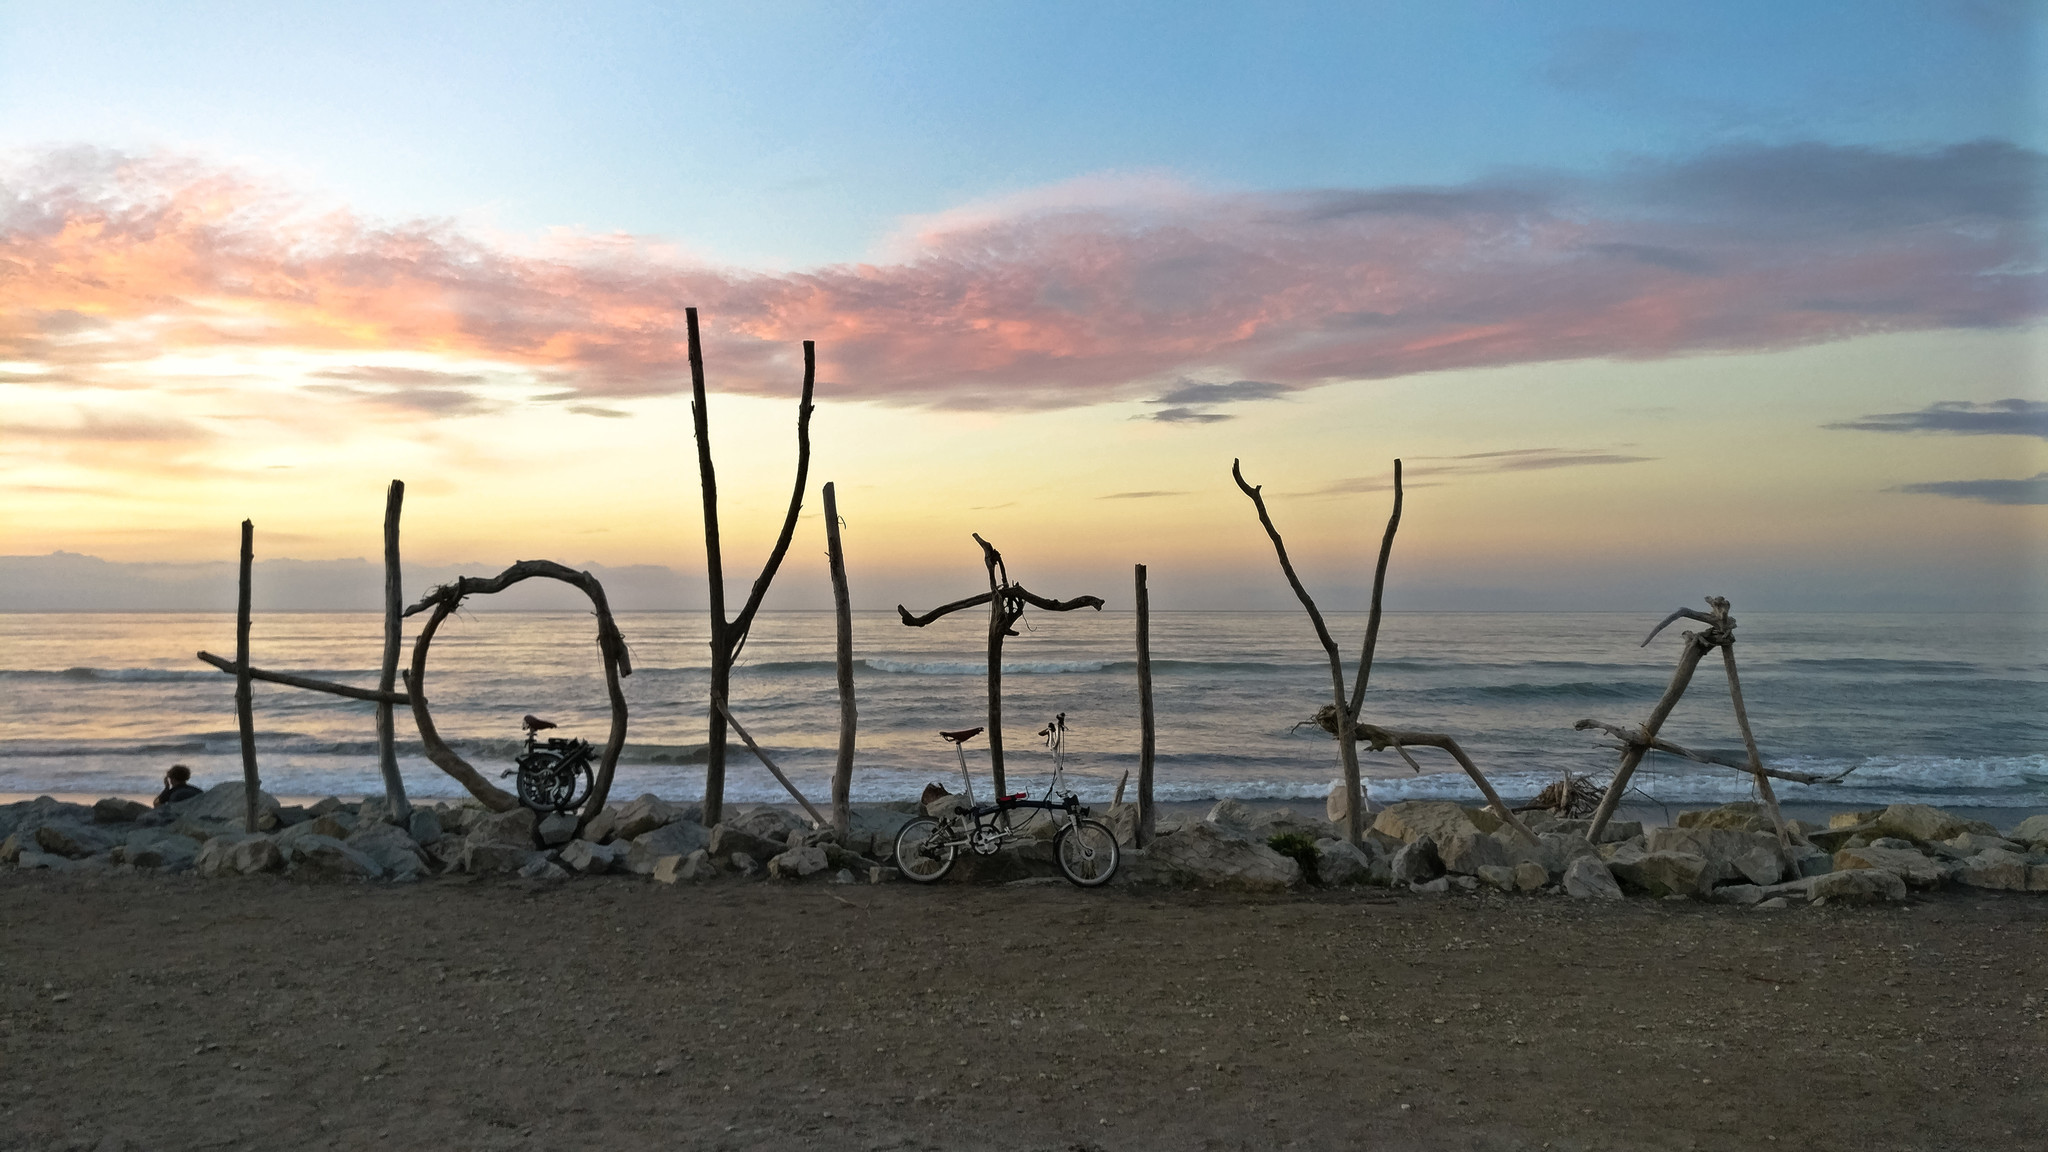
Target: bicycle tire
x,y
918,856
1087,853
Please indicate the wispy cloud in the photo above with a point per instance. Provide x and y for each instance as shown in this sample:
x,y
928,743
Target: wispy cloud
x,y
1193,399
1068,296
2033,490
597,410
1138,495
1184,416
1419,471
1962,417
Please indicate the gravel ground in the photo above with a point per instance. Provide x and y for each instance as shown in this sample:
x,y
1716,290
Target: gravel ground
x,y
172,1013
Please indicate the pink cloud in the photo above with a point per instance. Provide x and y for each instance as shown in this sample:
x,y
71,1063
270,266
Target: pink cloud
x,y
1076,295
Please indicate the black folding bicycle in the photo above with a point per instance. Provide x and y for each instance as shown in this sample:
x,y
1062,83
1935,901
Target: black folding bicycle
x,y
555,776
1085,849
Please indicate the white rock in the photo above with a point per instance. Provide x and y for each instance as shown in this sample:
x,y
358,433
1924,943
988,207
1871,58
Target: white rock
x,y
1587,878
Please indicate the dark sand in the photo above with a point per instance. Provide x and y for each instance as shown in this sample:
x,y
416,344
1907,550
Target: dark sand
x,y
618,1014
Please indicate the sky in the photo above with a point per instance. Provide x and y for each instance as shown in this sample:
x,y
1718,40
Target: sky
x,y
1653,301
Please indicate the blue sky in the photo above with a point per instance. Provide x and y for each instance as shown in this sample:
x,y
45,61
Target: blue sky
x,y
794,134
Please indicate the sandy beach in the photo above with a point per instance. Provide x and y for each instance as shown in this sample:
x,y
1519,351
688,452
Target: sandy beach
x,y
172,1013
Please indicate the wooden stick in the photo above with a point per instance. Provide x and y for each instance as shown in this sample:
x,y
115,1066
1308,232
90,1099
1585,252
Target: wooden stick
x,y
437,749
943,609
397,805
1629,735
1696,646
1347,720
1146,817
842,768
817,821
245,708
999,621
1372,637
1756,760
1382,738
375,697
714,568
1120,782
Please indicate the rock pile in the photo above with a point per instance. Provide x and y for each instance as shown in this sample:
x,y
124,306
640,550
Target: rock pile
x,y
1728,854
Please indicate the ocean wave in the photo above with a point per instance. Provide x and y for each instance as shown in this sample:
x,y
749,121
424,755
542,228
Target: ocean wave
x,y
110,675
1577,690
980,667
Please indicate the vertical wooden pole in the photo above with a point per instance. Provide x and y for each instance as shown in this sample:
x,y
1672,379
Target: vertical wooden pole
x,y
1145,745
394,605
714,569
1355,783
998,623
245,709
842,769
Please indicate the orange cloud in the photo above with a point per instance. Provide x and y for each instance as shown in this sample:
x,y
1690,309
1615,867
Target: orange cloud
x,y
109,259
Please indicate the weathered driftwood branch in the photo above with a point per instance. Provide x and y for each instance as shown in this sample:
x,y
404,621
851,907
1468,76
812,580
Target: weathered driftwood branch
x,y
729,636
1346,718
611,646
398,807
1006,602
1756,759
1146,818
817,821
1628,735
1379,738
1697,645
370,694
842,615
245,708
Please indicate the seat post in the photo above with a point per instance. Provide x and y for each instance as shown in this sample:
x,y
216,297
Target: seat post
x,y
960,747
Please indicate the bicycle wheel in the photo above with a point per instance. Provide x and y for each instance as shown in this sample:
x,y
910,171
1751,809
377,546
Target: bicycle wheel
x,y
922,851
1087,853
544,781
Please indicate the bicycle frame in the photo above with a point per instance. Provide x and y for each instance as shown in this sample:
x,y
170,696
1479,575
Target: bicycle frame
x,y
986,831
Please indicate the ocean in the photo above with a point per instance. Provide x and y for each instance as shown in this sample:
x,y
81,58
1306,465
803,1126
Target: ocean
x,y
1950,710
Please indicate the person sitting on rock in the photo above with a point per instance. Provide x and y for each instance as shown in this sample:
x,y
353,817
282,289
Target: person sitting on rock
x,y
177,786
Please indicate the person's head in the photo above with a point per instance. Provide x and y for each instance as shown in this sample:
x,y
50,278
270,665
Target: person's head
x,y
179,774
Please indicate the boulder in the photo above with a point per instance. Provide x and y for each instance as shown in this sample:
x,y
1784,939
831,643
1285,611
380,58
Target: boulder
x,y
1722,849
603,826
511,829
17,842
479,858
1496,876
589,858
1339,862
1466,853
391,847
73,840
643,814
697,866
1970,843
1996,869
325,825
557,828
1616,830
1337,806
1665,873
1859,886
1916,870
1434,887
224,804
2037,877
237,854
1854,819
1836,838
425,827
1207,855
1440,820
725,839
376,809
1587,878
770,824
1560,849
115,810
328,858
2033,830
1232,814
1810,861
1924,823
667,869
539,867
798,863
679,839
160,851
1741,816
323,807
1416,862
744,864
1530,876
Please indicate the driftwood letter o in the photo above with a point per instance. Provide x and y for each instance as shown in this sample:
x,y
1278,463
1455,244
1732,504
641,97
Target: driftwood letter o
x,y
617,663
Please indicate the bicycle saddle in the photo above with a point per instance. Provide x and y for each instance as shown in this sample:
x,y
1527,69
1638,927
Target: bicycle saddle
x,y
534,723
961,736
